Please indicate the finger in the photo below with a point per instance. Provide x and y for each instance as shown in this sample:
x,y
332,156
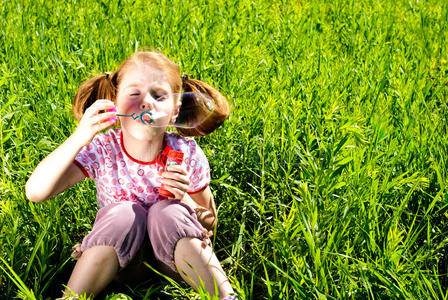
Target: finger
x,y
183,186
76,254
177,181
103,106
99,105
76,251
206,242
101,126
106,103
177,169
207,234
178,194
176,176
102,117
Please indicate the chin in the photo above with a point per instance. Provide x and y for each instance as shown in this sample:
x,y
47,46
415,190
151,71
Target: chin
x,y
145,134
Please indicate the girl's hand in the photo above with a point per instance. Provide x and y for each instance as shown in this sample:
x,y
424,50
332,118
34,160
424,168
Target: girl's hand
x,y
206,241
95,119
176,181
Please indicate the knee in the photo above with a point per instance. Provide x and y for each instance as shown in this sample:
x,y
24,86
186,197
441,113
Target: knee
x,y
164,211
172,219
168,222
123,216
186,246
100,255
121,226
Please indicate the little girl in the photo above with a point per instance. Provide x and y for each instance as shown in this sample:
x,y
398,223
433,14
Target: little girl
x,y
128,165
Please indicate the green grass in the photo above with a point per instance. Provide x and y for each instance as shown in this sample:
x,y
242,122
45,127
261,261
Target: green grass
x,y
330,174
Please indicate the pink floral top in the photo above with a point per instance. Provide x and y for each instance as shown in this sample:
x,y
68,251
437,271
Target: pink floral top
x,y
120,177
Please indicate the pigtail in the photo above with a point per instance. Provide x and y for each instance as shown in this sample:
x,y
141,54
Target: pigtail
x,y
212,112
98,87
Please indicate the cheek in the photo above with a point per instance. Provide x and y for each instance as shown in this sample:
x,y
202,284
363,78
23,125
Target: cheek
x,y
124,105
119,101
166,107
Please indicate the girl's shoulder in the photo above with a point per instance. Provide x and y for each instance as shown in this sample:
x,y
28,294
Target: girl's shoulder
x,y
194,158
180,143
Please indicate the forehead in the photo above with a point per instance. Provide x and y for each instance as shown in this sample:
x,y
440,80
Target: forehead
x,y
144,76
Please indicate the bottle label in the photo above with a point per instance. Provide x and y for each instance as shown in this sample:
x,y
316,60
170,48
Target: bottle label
x,y
173,158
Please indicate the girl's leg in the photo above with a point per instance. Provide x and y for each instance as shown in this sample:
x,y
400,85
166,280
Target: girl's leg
x,y
116,237
176,237
93,271
197,263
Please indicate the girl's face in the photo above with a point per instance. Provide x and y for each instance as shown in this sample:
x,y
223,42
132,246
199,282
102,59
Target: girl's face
x,y
145,88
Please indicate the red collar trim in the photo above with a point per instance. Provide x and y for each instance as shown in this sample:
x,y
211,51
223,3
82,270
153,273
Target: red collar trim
x,y
160,159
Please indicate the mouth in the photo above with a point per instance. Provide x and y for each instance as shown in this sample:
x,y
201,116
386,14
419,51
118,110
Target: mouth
x,y
146,117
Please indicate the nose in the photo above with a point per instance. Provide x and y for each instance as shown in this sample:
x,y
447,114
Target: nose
x,y
147,103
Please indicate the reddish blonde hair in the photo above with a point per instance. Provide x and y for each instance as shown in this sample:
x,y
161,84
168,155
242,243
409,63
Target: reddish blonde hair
x,y
106,87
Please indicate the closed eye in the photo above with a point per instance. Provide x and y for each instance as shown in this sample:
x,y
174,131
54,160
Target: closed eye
x,y
161,98
159,94
133,92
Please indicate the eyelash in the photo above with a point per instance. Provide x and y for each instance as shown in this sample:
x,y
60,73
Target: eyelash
x,y
156,97
160,98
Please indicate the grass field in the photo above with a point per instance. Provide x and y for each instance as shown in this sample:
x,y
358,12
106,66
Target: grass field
x,y
330,174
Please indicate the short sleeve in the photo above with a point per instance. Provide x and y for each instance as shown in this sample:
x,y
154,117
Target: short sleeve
x,y
199,169
88,159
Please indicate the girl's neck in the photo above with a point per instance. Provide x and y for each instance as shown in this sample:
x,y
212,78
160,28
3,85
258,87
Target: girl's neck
x,y
143,150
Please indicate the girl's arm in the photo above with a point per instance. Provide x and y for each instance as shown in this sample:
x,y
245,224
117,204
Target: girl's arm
x,y
176,181
57,171
204,206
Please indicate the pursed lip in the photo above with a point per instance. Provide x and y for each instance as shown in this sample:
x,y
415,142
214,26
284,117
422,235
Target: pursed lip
x,y
146,117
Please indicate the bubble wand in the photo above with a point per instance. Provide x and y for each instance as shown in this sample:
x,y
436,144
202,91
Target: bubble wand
x,y
146,117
